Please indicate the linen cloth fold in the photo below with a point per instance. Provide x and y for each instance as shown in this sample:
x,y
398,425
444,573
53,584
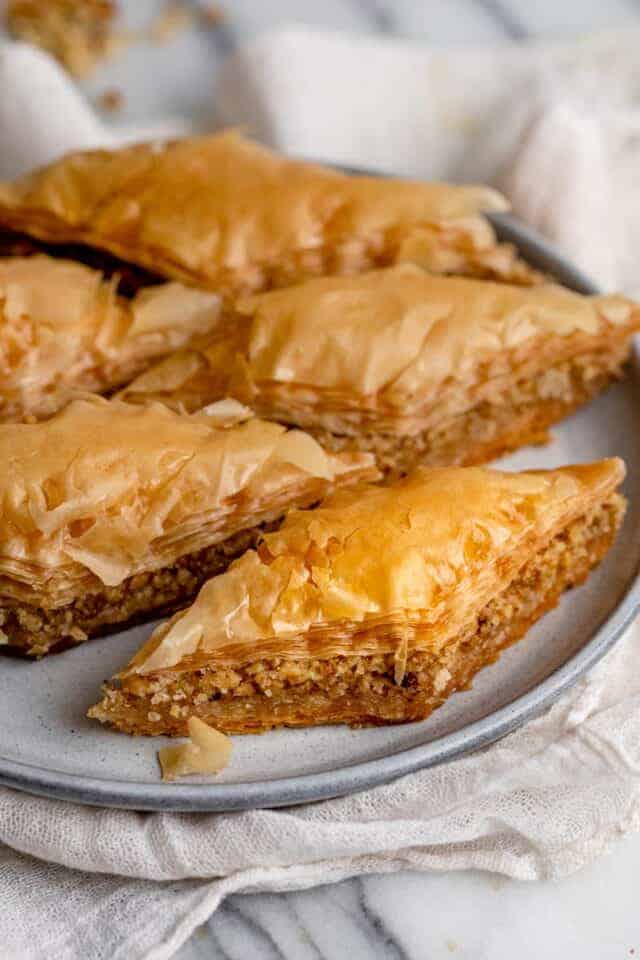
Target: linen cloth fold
x,y
82,883
557,126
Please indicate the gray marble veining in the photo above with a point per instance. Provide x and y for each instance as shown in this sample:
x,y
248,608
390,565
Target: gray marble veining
x,y
468,916
506,15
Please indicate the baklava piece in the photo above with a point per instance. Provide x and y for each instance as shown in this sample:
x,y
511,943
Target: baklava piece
x,y
414,368
225,213
113,513
79,33
64,330
375,607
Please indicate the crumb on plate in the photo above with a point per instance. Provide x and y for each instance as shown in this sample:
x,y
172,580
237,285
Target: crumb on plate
x,y
206,751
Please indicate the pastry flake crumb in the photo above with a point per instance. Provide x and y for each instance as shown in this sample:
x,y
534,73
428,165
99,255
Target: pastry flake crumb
x,y
175,17
111,100
400,658
207,751
441,680
226,412
79,35
212,14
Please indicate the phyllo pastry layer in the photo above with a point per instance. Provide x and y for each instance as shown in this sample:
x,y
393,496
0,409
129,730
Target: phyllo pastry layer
x,y
112,512
375,607
412,367
225,213
63,330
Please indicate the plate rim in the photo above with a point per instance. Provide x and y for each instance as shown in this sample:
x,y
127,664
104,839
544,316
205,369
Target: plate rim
x,y
311,787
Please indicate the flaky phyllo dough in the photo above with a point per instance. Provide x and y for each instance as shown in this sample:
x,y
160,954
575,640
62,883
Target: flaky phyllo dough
x,y
64,330
412,367
226,213
374,607
111,511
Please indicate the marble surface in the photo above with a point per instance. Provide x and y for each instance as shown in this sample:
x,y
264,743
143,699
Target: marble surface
x,y
592,915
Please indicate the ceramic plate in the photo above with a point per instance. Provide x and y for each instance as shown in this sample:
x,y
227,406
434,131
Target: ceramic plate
x,y
48,747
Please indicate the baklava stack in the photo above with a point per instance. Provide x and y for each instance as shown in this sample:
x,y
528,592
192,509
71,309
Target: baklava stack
x,y
64,330
411,367
218,213
113,513
224,213
376,606
284,336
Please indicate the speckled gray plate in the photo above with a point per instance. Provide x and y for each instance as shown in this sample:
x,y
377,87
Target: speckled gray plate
x,y
48,747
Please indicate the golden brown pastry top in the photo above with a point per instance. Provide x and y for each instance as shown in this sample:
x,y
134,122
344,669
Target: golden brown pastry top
x,y
396,342
204,209
112,489
401,330
428,552
62,326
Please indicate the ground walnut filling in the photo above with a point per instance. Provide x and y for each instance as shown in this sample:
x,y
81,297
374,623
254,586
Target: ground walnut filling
x,y
36,631
362,690
521,415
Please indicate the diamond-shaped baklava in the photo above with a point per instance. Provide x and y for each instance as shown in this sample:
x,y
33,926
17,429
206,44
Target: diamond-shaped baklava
x,y
412,367
112,513
225,213
63,329
376,606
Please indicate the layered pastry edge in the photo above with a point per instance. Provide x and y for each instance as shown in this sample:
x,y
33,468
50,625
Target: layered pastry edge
x,y
323,222
112,512
65,331
390,667
411,367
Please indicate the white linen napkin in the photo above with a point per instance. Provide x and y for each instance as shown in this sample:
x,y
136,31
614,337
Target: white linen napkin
x,y
90,884
43,115
556,126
